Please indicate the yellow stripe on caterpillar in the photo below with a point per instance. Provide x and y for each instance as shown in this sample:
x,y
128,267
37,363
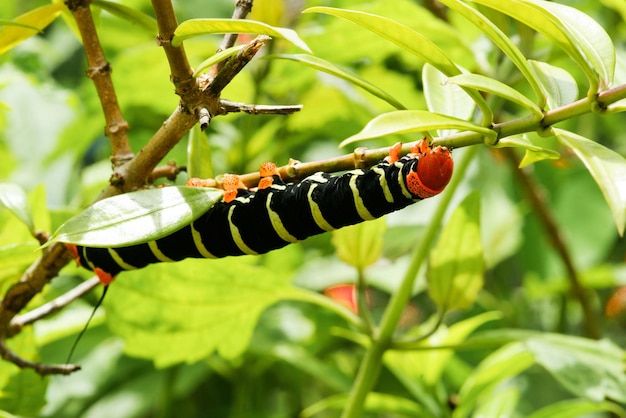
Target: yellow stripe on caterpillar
x,y
119,260
234,232
158,253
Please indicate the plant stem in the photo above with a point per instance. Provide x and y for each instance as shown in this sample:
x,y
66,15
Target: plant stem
x,y
540,208
372,362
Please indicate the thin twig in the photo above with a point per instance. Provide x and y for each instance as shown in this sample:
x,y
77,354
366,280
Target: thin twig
x,y
53,306
42,369
233,66
242,8
226,106
169,171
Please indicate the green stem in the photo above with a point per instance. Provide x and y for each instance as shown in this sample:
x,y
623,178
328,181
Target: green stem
x,y
361,302
372,362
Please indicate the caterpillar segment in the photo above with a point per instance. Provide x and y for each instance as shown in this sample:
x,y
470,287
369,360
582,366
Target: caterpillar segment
x,y
277,213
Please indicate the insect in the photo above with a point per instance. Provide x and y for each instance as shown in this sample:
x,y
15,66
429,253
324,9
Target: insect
x,y
277,213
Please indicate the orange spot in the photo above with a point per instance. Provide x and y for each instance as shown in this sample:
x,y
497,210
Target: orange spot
x,y
394,153
231,183
105,278
268,169
266,182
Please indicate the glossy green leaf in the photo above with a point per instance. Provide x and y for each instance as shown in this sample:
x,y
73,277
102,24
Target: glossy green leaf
x,y
497,88
197,27
589,369
214,59
409,40
360,245
576,408
502,41
456,263
129,14
137,217
406,121
558,85
199,163
38,18
183,312
444,98
504,363
15,200
330,68
586,42
607,168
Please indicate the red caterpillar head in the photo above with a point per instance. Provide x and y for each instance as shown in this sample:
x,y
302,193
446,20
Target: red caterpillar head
x,y
432,172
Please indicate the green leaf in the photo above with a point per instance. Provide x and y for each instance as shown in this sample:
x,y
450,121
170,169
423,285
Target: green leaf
x,y
137,217
38,19
183,312
573,31
427,362
409,40
589,369
129,14
360,245
534,152
15,200
502,41
495,87
196,27
444,98
456,263
575,408
502,364
557,84
330,68
199,163
607,168
406,121
5,22
214,59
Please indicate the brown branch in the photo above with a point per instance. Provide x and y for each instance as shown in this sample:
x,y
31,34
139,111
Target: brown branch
x,y
99,71
169,171
242,8
42,369
233,66
540,208
227,106
296,170
53,306
32,282
181,72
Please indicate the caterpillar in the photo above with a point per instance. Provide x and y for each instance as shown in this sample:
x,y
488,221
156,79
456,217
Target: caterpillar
x,y
277,213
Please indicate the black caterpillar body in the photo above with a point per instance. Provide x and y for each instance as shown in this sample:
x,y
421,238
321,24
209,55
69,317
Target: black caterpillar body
x,y
255,222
